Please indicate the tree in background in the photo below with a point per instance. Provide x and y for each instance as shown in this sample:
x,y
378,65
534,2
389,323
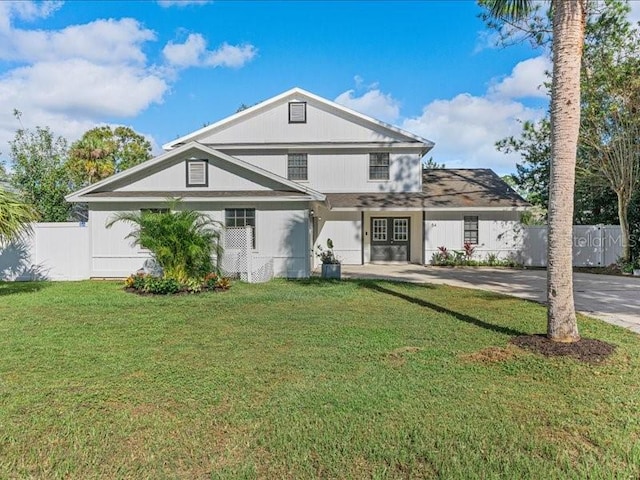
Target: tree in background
x,y
604,190
38,171
568,24
103,151
430,164
531,179
610,137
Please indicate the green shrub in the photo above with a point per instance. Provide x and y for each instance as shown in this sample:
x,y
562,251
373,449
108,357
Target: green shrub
x,y
443,257
193,285
144,283
161,286
211,280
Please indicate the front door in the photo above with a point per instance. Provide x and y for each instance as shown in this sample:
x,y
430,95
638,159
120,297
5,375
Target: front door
x,y
390,239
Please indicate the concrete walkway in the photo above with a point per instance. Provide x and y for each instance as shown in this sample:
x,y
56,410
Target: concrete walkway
x,y
613,299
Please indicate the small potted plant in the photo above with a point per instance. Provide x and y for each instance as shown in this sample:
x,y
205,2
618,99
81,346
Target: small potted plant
x,y
330,264
636,267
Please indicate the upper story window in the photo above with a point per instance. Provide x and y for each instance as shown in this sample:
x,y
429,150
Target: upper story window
x,y
379,166
297,166
471,230
297,112
197,173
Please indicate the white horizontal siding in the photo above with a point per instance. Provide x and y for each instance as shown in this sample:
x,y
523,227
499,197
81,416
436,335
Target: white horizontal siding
x,y
272,126
222,176
281,234
499,233
347,172
344,229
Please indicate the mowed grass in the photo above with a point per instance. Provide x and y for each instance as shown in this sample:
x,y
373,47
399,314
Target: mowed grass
x,y
304,380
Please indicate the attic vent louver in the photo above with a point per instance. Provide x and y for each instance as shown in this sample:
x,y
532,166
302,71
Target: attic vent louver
x,y
297,112
197,173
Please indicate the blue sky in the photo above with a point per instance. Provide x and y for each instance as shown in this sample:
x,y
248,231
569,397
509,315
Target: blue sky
x,y
167,68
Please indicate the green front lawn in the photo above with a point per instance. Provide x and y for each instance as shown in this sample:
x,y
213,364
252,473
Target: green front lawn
x,y
304,380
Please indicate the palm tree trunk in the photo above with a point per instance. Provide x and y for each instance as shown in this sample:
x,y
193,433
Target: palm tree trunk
x,y
568,38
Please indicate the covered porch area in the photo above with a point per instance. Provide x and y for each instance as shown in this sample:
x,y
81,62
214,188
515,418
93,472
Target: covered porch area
x,y
364,236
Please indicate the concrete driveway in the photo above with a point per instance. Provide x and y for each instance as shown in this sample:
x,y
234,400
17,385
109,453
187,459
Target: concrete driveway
x,y
613,299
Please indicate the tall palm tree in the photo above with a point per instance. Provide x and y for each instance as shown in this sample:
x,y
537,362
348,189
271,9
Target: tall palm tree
x,y
15,217
568,22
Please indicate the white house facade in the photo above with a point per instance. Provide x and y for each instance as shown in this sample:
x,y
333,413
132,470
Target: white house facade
x,y
299,169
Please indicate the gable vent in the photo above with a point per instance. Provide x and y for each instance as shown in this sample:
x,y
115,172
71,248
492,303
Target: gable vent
x,y
197,173
297,112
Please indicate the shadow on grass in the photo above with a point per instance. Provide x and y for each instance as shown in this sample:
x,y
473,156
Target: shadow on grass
x,y
437,308
13,288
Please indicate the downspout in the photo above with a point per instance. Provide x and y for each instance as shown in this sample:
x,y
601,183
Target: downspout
x,y
362,237
424,238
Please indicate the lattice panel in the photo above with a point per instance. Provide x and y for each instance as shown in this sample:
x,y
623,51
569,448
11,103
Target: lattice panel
x,y
238,260
237,238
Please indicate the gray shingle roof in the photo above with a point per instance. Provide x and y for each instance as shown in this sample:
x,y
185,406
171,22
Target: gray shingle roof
x,y
441,188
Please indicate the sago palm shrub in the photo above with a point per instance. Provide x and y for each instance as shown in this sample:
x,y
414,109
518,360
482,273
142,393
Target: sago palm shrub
x,y
183,242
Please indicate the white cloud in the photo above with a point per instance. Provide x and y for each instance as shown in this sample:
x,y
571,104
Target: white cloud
x,y
105,41
181,3
82,89
26,10
525,81
72,79
466,128
374,103
193,52
185,54
234,56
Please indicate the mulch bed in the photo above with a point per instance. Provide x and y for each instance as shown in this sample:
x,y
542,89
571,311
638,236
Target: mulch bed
x,y
586,350
181,292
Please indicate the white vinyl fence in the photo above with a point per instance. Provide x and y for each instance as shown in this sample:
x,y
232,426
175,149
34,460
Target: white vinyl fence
x,y
593,245
61,251
54,251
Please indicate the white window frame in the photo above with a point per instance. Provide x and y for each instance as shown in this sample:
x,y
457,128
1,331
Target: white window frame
x,y
468,219
298,157
378,157
245,217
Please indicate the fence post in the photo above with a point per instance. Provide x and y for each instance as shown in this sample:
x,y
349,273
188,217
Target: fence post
x,y
602,245
248,251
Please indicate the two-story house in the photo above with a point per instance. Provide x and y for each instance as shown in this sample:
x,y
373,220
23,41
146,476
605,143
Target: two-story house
x,y
299,169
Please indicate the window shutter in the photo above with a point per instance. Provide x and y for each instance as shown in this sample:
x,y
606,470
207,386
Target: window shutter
x,y
297,112
197,173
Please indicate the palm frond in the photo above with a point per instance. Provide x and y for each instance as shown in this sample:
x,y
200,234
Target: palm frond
x,y
16,217
512,10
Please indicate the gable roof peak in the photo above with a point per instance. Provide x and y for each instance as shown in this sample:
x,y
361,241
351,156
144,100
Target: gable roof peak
x,y
298,94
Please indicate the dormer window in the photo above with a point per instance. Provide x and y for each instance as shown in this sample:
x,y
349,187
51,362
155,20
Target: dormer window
x,y
297,112
197,173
